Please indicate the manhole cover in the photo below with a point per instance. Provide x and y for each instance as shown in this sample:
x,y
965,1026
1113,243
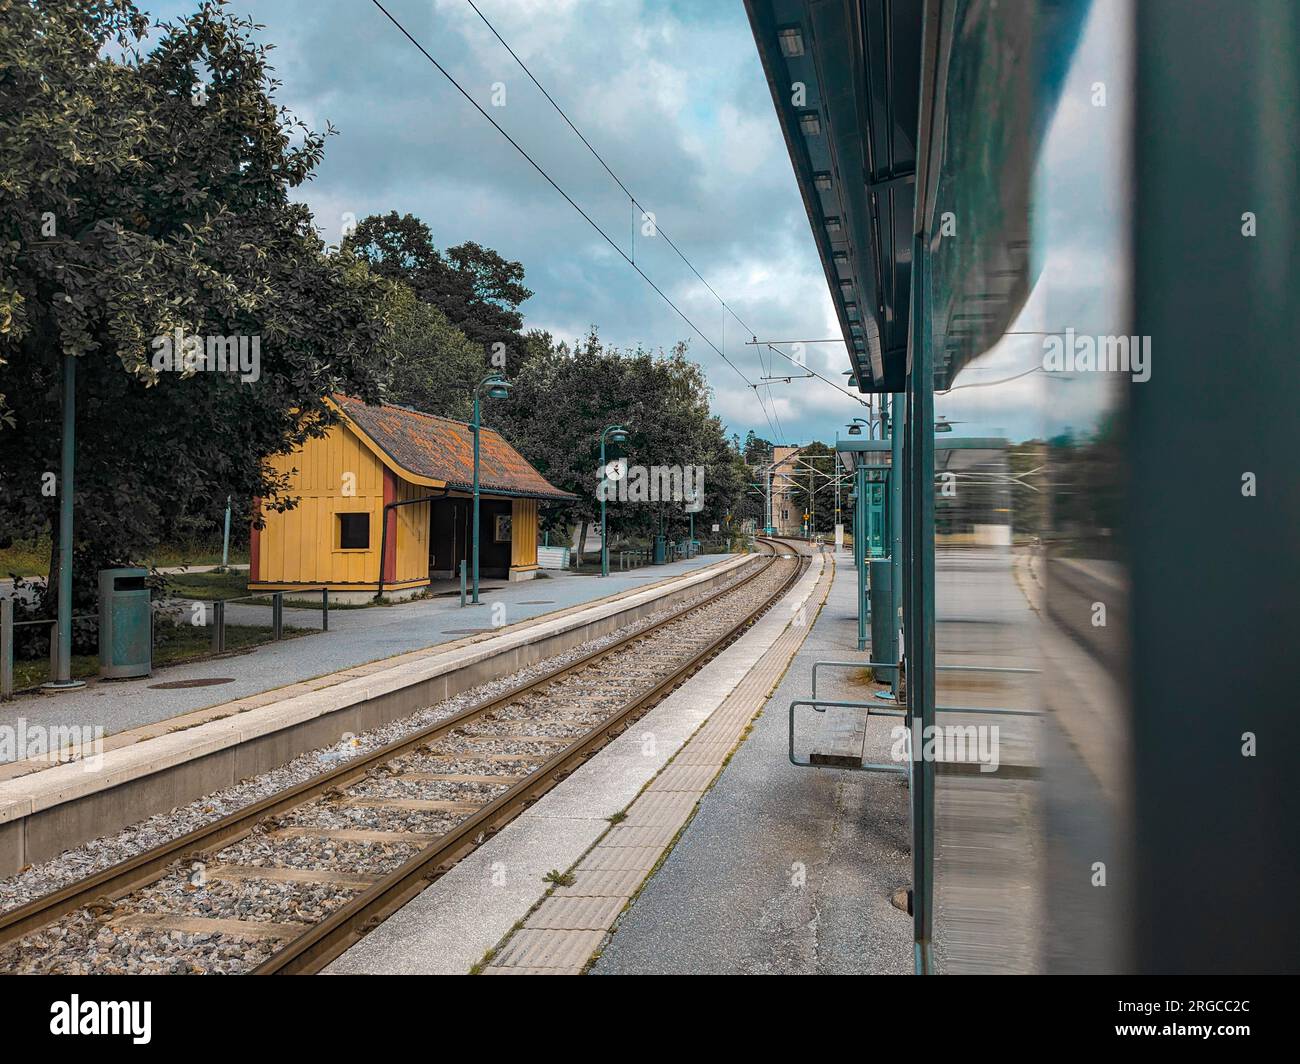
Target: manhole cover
x,y
176,685
538,602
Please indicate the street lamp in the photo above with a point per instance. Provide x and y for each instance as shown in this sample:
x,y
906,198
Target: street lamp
x,y
615,434
855,429
497,388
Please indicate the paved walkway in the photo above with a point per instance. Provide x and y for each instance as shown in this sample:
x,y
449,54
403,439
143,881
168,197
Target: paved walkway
x,y
356,637
784,870
789,870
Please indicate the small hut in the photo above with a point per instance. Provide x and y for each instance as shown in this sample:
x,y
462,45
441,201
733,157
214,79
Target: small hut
x,y
385,505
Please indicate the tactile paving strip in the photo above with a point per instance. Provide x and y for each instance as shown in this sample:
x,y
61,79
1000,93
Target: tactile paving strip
x,y
565,930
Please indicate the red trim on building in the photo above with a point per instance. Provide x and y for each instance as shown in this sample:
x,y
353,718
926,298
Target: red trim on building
x,y
390,546
255,545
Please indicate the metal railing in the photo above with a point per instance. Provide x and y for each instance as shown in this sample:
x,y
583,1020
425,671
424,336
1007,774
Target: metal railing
x,y
635,558
277,612
8,627
888,709
8,634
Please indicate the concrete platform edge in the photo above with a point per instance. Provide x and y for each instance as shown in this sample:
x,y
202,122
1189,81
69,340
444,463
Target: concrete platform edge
x,y
46,812
453,926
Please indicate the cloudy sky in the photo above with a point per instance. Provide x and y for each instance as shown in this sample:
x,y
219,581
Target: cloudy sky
x,y
670,92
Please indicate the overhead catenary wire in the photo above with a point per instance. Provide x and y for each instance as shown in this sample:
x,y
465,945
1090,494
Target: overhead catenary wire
x,y
551,181
659,230
569,199
608,169
825,380
989,384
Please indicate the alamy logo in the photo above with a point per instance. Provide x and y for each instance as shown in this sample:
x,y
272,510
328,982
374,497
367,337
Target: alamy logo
x,y
953,743
178,353
75,1016
53,743
620,482
1069,353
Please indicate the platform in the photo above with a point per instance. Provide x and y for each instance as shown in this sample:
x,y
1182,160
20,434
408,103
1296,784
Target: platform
x,y
47,807
492,911
709,853
356,637
784,870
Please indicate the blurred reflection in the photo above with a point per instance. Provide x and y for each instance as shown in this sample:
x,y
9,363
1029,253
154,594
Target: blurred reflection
x,y
1029,568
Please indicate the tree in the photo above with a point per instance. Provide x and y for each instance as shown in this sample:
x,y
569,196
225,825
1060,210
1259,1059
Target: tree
x,y
564,397
757,451
479,291
434,365
821,501
149,193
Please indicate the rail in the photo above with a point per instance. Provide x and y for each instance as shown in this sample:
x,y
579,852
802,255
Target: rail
x,y
325,940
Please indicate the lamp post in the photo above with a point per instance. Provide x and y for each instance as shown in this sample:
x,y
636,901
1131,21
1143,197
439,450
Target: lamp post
x,y
62,680
615,434
497,388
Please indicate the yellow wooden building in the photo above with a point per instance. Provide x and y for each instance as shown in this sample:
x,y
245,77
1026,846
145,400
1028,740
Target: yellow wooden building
x,y
385,507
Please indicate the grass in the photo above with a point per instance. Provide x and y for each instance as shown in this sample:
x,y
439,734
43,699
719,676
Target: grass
x,y
558,878
32,557
166,557
26,559
210,585
172,644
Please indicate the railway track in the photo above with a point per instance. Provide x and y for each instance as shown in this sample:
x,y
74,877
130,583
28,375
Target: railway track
x,y
288,883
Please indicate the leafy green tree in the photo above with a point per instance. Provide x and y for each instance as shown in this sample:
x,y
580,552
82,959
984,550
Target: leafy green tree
x,y
147,180
819,499
434,365
756,450
479,291
564,397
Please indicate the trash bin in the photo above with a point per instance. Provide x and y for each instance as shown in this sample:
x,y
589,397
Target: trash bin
x,y
125,624
661,550
884,635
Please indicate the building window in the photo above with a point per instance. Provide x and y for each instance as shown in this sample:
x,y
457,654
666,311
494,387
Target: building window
x,y
354,531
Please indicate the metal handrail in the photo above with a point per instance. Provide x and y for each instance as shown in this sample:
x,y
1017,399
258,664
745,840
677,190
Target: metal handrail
x,y
55,620
891,711
8,625
850,665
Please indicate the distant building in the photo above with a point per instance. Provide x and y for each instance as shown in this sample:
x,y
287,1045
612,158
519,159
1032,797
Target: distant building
x,y
395,484
787,517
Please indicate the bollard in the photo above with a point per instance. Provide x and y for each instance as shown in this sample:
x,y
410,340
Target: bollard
x,y
6,648
277,615
324,609
462,582
218,627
